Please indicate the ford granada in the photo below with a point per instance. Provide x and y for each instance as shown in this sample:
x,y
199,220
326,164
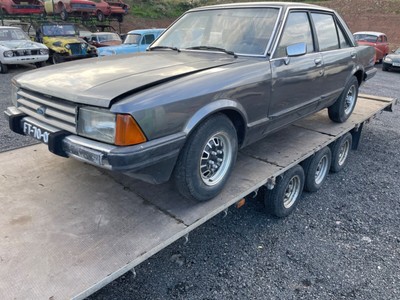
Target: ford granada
x,y
218,79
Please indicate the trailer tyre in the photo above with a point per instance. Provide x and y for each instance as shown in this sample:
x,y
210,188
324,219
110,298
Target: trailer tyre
x,y
340,152
283,198
341,110
316,168
207,159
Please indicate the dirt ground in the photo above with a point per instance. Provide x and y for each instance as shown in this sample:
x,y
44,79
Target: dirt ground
x,y
360,15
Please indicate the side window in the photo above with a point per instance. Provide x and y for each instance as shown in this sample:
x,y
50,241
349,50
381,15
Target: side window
x,y
148,39
297,30
344,43
326,31
385,39
380,39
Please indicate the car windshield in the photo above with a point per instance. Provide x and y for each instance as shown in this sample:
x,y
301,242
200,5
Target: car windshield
x,y
12,34
132,39
397,51
240,30
366,37
59,30
108,37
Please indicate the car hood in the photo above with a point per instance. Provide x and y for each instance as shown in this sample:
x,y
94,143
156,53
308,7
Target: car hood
x,y
99,81
61,40
22,44
394,56
120,49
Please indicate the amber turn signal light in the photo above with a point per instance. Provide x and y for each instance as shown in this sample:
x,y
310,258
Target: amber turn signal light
x,y
128,132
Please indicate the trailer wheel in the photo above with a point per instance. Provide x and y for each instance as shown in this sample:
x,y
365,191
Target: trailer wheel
x,y
207,159
340,152
3,68
341,110
316,168
281,200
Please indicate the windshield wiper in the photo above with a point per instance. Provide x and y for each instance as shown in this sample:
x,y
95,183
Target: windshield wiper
x,y
165,47
209,48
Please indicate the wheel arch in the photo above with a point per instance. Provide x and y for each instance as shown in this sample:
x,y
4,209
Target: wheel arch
x,y
233,110
360,75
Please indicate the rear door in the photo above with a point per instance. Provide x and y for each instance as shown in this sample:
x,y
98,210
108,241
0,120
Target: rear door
x,y
338,55
296,81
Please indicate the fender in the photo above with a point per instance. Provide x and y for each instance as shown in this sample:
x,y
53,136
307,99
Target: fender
x,y
212,108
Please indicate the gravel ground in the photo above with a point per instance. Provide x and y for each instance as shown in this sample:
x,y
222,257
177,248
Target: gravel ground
x,y
341,242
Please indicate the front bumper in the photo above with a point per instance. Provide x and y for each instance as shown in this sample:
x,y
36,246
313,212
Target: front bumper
x,y
152,161
389,66
29,59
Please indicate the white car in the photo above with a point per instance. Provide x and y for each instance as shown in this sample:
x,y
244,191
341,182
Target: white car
x,y
16,48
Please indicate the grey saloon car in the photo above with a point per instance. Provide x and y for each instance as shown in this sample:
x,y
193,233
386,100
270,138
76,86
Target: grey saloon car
x,y
218,79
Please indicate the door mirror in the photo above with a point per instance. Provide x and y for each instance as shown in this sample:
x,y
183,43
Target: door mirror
x,y
296,49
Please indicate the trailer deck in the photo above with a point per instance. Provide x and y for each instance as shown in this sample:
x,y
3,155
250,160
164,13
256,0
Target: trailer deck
x,y
68,229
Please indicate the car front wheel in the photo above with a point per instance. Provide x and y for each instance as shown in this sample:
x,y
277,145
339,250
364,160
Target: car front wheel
x,y
341,110
207,159
3,68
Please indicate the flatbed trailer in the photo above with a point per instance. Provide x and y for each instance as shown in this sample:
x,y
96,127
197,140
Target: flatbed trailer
x,y
67,228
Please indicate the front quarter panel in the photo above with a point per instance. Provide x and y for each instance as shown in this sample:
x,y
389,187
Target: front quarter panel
x,y
180,105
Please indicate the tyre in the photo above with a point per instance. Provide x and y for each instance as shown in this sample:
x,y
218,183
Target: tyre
x,y
64,14
341,110
207,159
283,198
100,16
40,64
340,152
3,68
55,58
316,168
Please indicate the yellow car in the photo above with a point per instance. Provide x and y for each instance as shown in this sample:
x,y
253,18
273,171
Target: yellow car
x,y
63,42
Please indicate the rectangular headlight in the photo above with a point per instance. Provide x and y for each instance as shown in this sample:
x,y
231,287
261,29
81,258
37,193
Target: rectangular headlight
x,y
97,124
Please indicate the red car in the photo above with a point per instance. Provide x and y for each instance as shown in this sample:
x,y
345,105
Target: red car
x,y
110,8
378,40
65,8
17,7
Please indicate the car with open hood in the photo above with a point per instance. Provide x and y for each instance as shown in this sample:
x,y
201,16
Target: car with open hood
x,y
63,42
16,48
201,92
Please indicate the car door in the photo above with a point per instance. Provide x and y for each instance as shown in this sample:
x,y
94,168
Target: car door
x,y
337,53
296,81
147,39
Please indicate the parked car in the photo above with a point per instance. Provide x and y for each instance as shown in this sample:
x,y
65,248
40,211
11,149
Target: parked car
x,y
103,39
392,61
66,8
135,41
17,7
201,92
63,42
378,40
109,9
16,48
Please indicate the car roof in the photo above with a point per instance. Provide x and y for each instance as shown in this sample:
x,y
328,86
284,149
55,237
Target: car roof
x,y
370,32
144,31
264,4
8,27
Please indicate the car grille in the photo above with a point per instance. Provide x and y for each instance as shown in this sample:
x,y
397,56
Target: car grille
x,y
26,52
53,111
76,49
